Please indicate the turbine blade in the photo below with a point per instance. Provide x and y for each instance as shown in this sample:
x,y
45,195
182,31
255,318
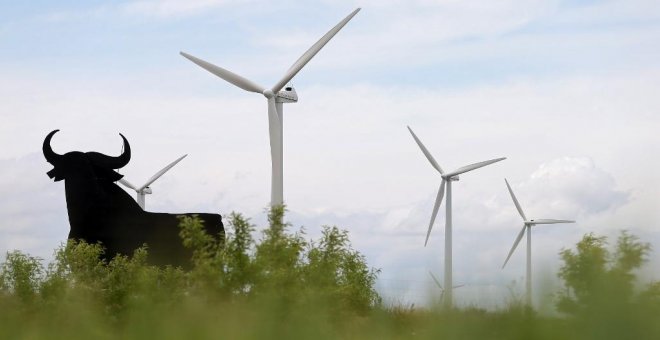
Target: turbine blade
x,y
227,75
438,200
515,244
458,286
311,52
515,201
435,279
471,167
426,152
161,172
128,184
551,221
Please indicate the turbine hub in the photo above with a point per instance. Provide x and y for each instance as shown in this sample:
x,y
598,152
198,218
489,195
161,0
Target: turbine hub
x,y
268,93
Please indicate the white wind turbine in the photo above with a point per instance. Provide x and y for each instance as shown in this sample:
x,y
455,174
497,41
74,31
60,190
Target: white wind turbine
x,y
447,178
442,290
527,226
144,190
276,96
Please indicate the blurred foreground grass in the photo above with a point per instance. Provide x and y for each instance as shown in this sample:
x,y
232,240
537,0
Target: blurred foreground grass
x,y
286,287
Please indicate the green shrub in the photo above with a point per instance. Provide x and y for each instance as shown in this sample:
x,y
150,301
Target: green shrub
x,y
20,276
282,285
599,288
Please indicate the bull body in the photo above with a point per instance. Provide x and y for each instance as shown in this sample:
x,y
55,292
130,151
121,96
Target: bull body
x,y
101,212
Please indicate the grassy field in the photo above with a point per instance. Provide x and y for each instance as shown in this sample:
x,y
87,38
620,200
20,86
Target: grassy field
x,y
286,287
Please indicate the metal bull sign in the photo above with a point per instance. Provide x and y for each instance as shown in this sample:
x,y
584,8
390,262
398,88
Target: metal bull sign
x,y
100,211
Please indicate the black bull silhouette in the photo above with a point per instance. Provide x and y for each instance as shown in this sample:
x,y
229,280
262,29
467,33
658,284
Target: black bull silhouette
x,y
100,211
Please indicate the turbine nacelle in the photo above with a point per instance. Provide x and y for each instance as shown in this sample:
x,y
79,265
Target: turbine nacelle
x,y
287,95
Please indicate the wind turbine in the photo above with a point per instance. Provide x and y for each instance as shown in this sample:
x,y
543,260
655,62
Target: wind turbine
x,y
276,96
145,189
442,290
447,178
527,226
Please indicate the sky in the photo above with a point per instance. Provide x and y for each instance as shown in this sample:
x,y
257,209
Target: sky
x,y
566,90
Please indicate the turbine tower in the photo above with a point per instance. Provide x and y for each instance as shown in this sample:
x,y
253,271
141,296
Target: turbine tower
x,y
447,178
276,96
527,227
145,189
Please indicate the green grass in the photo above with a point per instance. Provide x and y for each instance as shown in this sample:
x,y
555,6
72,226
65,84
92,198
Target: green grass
x,y
284,286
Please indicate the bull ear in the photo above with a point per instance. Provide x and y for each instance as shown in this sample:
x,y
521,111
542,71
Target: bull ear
x,y
55,174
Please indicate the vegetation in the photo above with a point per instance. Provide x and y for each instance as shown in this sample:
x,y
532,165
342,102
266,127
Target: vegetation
x,y
284,286
600,291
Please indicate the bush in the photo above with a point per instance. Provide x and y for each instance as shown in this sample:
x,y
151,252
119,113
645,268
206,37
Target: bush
x,y
234,285
283,268
285,286
599,287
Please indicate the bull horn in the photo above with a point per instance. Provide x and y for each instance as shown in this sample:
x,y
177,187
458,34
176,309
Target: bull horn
x,y
110,162
125,157
50,155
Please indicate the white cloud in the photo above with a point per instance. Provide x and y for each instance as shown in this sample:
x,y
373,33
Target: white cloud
x,y
572,187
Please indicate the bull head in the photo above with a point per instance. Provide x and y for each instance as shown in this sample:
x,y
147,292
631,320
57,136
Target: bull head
x,y
94,164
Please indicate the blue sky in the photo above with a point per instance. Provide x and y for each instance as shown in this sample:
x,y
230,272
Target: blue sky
x,y
566,90
544,38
